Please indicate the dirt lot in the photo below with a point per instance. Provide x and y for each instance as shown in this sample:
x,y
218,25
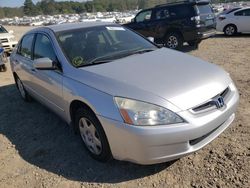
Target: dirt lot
x,y
37,149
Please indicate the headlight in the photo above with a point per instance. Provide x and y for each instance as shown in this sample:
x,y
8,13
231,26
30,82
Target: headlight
x,y
141,113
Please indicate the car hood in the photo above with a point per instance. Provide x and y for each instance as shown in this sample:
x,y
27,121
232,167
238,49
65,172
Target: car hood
x,y
181,79
6,35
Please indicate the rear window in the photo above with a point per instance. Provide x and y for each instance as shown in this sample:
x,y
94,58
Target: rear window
x,y
204,9
181,11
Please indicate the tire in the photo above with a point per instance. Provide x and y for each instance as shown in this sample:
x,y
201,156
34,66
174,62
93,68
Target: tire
x,y
194,44
3,68
92,134
230,30
24,94
174,40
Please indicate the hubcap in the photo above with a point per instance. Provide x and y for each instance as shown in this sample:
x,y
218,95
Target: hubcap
x,y
21,88
90,136
230,30
172,42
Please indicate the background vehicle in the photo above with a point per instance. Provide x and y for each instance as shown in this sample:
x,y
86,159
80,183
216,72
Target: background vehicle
x,y
3,60
7,40
175,23
96,77
235,21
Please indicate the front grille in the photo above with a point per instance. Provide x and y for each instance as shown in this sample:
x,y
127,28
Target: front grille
x,y
3,40
197,140
210,104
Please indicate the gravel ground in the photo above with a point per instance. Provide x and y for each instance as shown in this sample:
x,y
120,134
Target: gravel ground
x,y
37,149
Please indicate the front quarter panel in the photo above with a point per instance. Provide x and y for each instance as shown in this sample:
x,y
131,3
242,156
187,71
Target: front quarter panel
x,y
101,103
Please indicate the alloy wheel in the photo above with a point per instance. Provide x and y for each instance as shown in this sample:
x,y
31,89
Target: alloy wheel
x,y
230,30
90,136
172,42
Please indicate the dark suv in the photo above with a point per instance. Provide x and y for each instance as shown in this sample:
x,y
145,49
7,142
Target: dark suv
x,y
173,24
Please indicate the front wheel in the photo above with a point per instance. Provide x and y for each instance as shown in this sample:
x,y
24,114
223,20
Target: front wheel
x,y
92,135
230,30
174,41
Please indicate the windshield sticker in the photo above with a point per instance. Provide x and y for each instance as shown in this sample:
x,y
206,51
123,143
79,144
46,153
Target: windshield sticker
x,y
115,28
77,61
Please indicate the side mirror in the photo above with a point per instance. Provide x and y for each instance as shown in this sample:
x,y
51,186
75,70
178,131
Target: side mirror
x,y
11,31
44,64
151,39
132,20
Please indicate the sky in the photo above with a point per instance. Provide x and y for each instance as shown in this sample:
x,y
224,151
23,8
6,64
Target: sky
x,y
18,3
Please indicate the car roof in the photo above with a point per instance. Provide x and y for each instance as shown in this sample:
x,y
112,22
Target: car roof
x,y
72,26
242,8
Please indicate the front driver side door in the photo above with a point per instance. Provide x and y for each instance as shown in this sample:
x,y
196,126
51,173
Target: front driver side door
x,y
48,83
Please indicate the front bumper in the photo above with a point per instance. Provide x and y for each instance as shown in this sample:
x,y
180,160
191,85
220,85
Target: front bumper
x,y
207,34
156,144
9,46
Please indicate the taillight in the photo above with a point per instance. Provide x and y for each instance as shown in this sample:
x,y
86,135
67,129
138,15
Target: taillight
x,y
197,19
222,18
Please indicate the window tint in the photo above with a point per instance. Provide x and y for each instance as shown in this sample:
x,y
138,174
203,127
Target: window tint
x,y
26,46
230,10
144,16
180,11
84,45
204,9
243,13
43,48
162,14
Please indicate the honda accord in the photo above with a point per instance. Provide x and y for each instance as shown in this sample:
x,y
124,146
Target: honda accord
x,y
127,98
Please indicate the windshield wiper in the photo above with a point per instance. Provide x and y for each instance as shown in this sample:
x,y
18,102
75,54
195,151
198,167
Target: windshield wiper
x,y
142,51
111,57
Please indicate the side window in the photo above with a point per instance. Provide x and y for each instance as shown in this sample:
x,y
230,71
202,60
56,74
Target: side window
x,y
162,14
43,48
243,13
25,48
144,16
239,13
180,11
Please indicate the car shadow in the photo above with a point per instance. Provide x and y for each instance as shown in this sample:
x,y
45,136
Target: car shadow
x,y
44,140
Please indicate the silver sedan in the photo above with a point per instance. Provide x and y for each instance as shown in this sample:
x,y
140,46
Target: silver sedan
x,y
127,98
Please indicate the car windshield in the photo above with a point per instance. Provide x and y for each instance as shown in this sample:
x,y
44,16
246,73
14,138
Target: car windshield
x,y
101,44
3,30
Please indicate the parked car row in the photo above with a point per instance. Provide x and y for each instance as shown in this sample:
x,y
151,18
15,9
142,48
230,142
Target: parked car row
x,y
173,24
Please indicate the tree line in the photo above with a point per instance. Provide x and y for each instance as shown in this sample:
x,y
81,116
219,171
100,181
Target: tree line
x,y
52,7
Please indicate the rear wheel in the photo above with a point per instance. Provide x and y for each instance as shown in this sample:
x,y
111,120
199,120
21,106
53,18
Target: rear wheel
x,y
194,44
22,90
92,135
230,30
174,41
